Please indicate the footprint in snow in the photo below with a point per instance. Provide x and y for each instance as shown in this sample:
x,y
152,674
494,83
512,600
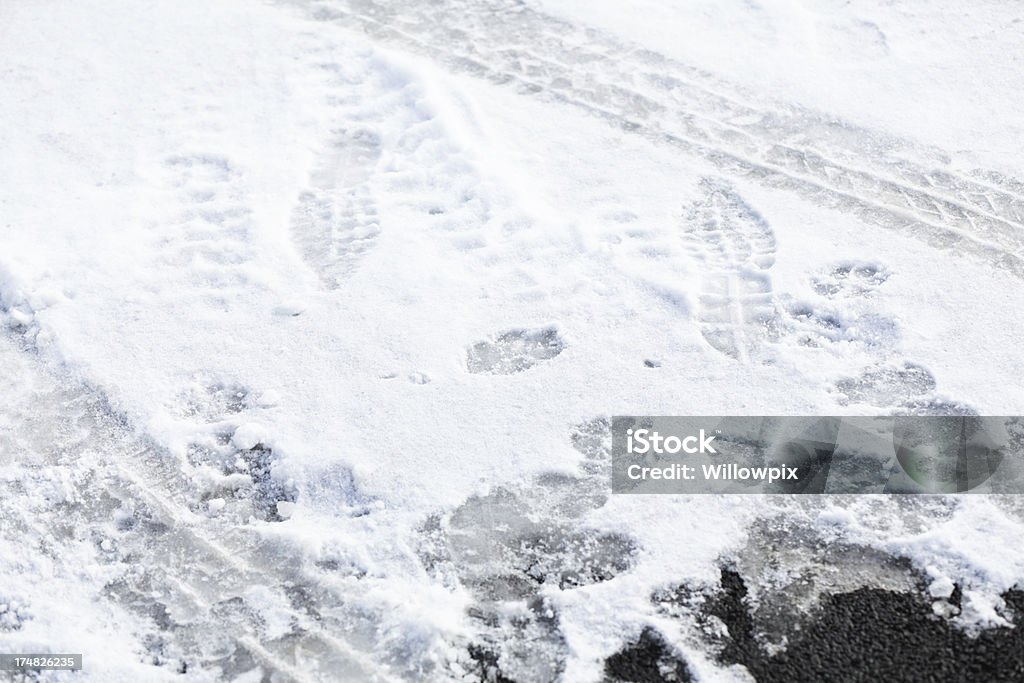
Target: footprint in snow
x,y
514,351
334,223
736,246
850,279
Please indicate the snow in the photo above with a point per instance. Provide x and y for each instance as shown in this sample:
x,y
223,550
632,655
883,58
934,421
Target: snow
x,y
937,73
323,286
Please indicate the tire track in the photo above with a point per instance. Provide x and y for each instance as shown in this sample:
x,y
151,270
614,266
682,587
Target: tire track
x,y
188,575
819,158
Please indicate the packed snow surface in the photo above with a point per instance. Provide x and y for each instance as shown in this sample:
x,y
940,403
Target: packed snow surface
x,y
314,314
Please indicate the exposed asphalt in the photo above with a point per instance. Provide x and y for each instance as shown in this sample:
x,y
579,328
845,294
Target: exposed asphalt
x,y
863,635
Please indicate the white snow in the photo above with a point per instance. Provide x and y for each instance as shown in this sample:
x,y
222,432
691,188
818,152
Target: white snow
x,y
249,229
